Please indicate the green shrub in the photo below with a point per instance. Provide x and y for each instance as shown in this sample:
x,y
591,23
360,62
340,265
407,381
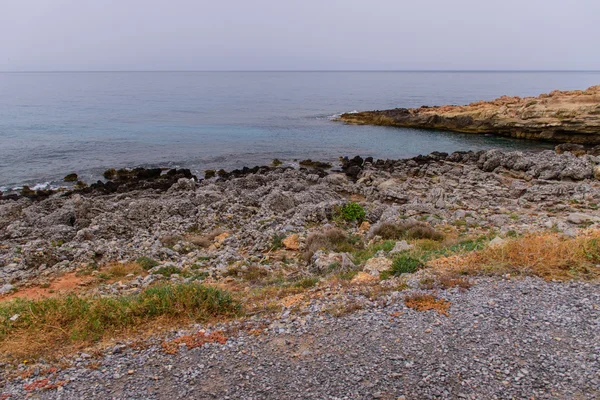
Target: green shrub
x,y
146,262
306,283
169,270
277,242
403,264
352,211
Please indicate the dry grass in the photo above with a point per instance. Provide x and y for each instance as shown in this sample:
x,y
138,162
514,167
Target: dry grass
x,y
426,302
406,230
120,270
193,341
205,240
329,239
547,255
251,273
47,326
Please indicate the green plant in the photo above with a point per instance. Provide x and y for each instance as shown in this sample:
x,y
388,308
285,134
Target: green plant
x,y
403,264
277,242
352,211
146,262
306,283
77,318
169,270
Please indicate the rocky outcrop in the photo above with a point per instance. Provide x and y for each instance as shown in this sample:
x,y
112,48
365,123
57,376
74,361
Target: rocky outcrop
x,y
560,116
166,217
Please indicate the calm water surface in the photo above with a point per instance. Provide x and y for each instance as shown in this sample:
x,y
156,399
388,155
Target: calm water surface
x,y
52,124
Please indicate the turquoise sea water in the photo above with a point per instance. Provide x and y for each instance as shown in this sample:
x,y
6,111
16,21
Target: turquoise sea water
x,y
52,124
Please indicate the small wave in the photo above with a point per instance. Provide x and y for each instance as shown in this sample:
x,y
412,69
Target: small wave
x,y
336,116
42,186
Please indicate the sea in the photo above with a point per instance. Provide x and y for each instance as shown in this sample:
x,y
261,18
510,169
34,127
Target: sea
x,y
56,123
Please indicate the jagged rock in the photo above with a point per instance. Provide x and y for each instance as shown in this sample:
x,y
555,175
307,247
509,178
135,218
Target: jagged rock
x,y
323,262
497,242
375,265
401,246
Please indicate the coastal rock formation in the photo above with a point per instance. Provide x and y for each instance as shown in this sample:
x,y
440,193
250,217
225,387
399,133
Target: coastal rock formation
x,y
560,116
131,218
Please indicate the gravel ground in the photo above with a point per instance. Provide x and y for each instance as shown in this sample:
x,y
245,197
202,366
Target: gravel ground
x,y
503,339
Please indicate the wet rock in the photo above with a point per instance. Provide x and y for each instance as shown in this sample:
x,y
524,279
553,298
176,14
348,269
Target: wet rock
x,y
574,148
70,178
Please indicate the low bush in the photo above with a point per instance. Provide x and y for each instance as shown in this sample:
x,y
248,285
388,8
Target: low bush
x,y
146,262
404,264
352,211
331,239
205,240
406,230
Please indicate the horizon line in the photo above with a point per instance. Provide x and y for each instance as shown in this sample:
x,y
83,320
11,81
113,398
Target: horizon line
x,y
302,70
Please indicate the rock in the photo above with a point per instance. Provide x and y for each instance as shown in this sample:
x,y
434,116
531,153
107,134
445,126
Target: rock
x,y
6,288
375,265
572,148
322,262
580,218
70,178
497,242
401,246
364,226
566,116
292,242
363,277
597,172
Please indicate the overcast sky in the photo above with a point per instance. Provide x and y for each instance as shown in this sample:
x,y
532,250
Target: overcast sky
x,y
298,34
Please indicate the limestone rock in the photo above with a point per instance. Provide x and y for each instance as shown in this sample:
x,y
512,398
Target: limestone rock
x,y
401,246
291,242
566,116
375,265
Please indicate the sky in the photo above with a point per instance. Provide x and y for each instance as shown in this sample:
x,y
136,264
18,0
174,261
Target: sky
x,y
84,35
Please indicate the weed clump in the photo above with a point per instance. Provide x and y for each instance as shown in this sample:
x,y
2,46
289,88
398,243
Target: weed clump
x,y
146,262
206,240
306,283
403,264
332,239
352,211
426,302
406,230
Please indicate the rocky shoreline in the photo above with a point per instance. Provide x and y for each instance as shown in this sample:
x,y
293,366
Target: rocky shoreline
x,y
319,244
560,116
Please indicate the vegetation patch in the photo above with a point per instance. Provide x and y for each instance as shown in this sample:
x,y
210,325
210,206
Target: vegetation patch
x,y
205,240
146,262
403,264
406,230
547,255
331,239
426,302
198,339
34,326
351,211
